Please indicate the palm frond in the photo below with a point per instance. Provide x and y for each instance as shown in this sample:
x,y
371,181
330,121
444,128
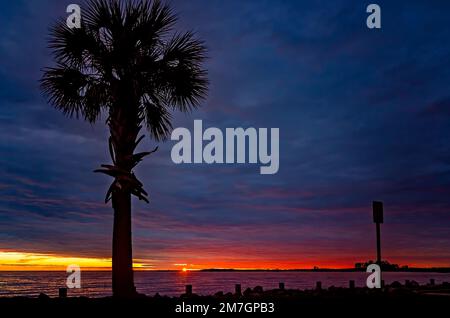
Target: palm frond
x,y
74,93
157,117
179,75
124,60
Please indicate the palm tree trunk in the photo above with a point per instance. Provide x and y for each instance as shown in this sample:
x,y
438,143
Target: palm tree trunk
x,y
122,258
123,131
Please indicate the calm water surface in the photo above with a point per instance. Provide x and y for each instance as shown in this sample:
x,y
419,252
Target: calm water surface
x,y
98,284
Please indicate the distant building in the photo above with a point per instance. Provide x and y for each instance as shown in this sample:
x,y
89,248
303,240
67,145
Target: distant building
x,y
385,265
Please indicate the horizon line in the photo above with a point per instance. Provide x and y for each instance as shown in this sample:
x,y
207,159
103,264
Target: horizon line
x,y
103,269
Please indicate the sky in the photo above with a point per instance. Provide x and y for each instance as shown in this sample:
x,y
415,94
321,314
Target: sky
x,y
363,115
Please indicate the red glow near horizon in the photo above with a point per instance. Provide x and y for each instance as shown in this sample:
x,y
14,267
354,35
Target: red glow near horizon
x,y
17,261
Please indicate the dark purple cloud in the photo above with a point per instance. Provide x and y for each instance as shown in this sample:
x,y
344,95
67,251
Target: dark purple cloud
x,y
363,115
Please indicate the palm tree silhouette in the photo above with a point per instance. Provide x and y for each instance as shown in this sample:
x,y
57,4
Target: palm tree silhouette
x,y
125,61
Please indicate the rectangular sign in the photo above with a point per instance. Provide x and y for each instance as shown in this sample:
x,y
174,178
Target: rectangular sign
x,y
377,211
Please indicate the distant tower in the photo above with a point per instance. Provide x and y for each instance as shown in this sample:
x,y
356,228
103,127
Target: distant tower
x,y
378,219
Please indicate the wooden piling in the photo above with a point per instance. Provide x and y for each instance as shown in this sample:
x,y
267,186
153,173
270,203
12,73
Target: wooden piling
x,y
188,289
319,285
237,289
62,292
281,286
352,284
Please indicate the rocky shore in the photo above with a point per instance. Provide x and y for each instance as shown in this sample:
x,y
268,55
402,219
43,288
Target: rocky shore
x,y
399,298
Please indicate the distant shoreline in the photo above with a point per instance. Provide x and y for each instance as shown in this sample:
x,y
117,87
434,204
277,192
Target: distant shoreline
x,y
425,270
405,270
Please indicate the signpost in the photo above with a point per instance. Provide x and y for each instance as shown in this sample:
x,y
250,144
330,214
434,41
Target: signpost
x,y
378,219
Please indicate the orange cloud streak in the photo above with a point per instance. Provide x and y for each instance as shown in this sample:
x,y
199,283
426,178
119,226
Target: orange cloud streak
x,y
22,261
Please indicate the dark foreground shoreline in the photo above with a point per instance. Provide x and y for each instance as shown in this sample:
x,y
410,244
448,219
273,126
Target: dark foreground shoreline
x,y
354,302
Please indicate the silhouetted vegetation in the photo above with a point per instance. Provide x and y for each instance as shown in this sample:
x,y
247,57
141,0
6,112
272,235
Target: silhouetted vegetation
x,y
126,62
